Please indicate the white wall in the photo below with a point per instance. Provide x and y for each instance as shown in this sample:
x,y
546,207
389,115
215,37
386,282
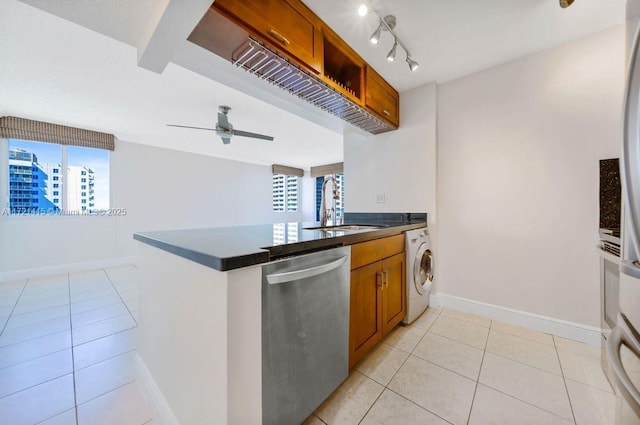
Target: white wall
x,y
518,151
160,189
401,164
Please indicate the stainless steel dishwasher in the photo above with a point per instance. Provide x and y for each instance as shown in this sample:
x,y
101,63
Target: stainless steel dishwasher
x,y
305,333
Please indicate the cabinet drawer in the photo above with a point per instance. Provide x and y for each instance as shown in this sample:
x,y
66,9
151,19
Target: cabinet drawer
x,y
287,25
381,98
375,250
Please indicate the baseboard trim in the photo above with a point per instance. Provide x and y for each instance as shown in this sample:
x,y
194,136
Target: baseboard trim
x,y
162,413
66,268
576,331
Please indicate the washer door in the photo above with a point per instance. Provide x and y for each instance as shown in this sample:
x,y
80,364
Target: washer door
x,y
423,269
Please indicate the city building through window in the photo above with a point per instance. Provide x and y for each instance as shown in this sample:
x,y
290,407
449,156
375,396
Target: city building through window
x,y
285,193
34,166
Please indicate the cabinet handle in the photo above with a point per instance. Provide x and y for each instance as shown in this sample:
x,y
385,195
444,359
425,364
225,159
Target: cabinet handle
x,y
384,111
281,38
385,278
380,280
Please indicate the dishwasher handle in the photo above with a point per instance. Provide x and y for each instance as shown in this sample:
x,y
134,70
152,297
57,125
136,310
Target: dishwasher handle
x,y
278,278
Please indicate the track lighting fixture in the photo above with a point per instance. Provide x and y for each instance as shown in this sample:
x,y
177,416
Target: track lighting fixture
x,y
388,23
392,53
563,4
413,65
375,37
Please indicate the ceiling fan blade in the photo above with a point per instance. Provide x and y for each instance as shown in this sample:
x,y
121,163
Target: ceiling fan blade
x,y
189,126
249,134
226,139
223,121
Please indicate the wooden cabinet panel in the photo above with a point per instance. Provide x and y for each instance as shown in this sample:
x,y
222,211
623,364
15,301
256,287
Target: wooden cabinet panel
x,y
287,25
381,98
378,297
365,320
377,249
394,296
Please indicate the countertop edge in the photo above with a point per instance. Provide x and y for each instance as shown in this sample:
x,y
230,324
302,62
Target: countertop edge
x,y
267,254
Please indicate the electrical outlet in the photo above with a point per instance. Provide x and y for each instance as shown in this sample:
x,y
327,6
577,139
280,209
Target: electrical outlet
x,y
380,198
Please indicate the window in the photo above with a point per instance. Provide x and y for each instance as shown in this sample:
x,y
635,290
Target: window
x,y
339,203
91,166
285,193
77,172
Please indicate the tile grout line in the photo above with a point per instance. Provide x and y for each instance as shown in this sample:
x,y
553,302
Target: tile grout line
x,y
73,360
523,401
416,404
386,386
14,307
133,381
564,381
475,390
120,296
35,358
107,359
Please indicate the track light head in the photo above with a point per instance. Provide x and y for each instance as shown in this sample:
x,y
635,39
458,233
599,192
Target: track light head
x,y
565,3
363,10
375,37
392,53
413,65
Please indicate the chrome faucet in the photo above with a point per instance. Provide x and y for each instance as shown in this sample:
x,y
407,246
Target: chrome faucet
x,y
325,213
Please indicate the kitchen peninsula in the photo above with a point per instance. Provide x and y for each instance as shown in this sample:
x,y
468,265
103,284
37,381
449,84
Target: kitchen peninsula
x,y
199,358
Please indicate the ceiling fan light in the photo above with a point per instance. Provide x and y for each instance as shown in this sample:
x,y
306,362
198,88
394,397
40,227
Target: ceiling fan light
x,y
363,10
413,65
392,53
375,37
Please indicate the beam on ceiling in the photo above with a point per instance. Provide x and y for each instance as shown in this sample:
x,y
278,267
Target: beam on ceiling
x,y
170,25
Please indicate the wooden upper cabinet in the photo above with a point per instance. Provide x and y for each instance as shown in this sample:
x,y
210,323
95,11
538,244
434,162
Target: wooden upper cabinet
x,y
381,98
287,25
343,69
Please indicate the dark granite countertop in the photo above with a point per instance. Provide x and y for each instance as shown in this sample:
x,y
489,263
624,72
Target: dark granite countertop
x,y
228,248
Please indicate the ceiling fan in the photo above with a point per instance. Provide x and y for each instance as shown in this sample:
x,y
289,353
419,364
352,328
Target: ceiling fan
x,y
224,129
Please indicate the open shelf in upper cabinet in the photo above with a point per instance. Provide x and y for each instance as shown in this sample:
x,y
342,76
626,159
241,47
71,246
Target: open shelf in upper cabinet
x,y
342,68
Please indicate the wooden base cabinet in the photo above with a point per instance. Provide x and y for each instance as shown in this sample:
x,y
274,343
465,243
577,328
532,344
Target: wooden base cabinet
x,y
378,297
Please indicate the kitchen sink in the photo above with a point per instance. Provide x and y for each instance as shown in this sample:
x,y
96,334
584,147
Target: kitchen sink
x,y
344,227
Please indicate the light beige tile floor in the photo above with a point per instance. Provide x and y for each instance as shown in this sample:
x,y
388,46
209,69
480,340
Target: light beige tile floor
x,y
450,367
67,345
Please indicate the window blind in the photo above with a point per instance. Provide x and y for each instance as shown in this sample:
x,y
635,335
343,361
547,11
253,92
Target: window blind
x,y
287,171
325,170
39,131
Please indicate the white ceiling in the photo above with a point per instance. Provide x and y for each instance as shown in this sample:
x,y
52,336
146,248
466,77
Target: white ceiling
x,y
452,38
86,74
64,73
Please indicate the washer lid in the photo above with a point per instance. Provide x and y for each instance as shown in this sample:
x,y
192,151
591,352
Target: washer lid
x,y
423,269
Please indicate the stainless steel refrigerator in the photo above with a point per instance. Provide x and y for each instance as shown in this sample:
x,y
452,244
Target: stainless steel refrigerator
x,y
623,343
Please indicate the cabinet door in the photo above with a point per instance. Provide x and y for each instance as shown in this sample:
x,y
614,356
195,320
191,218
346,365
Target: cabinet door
x,y
394,294
381,98
285,24
365,324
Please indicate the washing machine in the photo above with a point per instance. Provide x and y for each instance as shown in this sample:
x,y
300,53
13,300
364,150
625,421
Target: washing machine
x,y
419,265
